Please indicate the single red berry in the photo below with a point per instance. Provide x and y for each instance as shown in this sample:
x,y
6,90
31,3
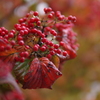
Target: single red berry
x,y
21,54
58,51
21,32
34,30
49,56
36,19
38,23
53,32
3,33
6,41
13,31
47,28
56,46
52,52
35,13
26,54
22,59
2,48
23,27
58,14
50,16
8,47
11,34
64,53
42,35
17,59
32,20
61,43
21,42
27,15
45,10
70,17
74,19
49,9
24,19
12,42
25,31
21,20
43,48
35,47
19,38
51,43
23,24
44,40
6,37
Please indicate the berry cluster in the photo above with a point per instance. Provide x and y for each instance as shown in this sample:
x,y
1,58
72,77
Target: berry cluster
x,y
38,37
36,49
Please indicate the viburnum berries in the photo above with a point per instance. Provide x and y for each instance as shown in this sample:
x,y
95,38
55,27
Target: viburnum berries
x,y
33,45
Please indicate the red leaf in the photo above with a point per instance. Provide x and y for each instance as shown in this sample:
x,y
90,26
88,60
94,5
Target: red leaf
x,y
42,74
6,52
4,68
12,95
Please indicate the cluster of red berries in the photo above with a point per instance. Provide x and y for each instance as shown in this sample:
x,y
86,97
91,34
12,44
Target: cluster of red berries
x,y
35,36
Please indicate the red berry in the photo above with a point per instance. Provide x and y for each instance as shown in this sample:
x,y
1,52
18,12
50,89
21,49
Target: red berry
x,y
25,31
53,32
27,15
64,53
43,48
21,20
26,54
13,31
6,37
70,17
49,9
2,48
22,32
58,51
19,38
22,59
56,46
21,42
38,23
61,43
32,20
21,54
8,47
45,10
17,59
35,47
3,33
49,56
12,42
42,35
50,43
52,52
44,40
35,13
36,19
50,16
11,34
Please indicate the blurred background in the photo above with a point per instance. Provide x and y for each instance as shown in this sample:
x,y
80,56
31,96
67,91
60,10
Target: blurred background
x,y
81,76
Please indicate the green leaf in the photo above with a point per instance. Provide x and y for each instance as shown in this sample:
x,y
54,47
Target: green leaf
x,y
20,69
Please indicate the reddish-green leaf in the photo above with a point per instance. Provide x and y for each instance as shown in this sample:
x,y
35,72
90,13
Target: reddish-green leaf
x,y
42,74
